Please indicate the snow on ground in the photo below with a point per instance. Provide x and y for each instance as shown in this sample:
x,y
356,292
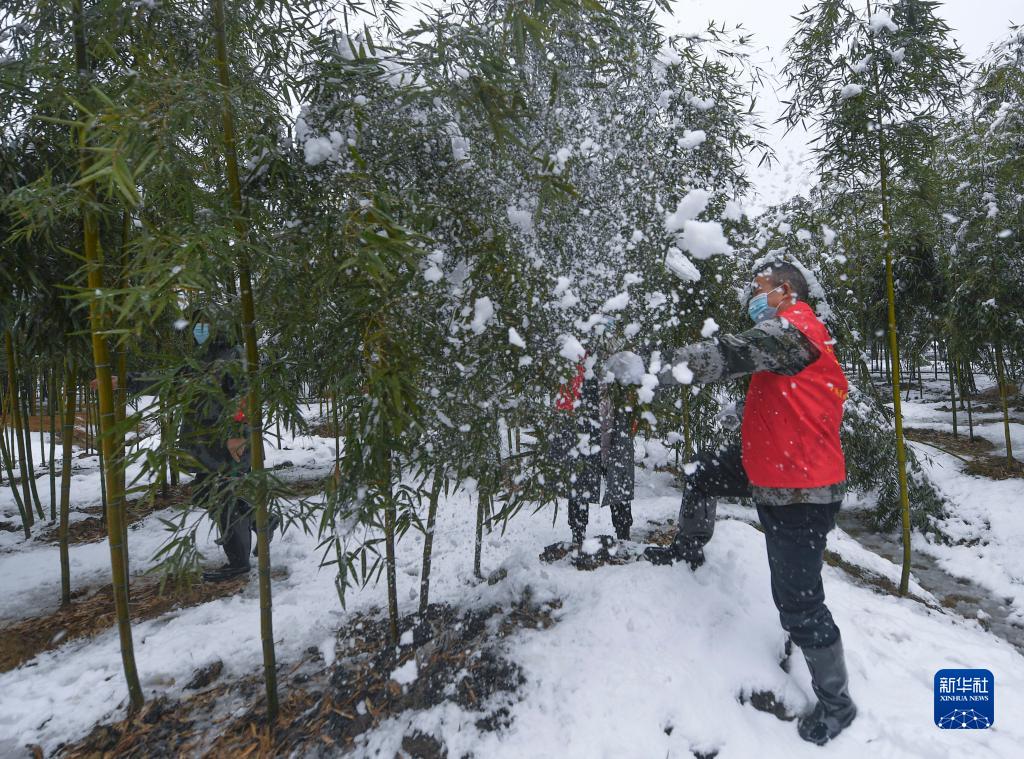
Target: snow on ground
x,y
31,571
985,522
644,661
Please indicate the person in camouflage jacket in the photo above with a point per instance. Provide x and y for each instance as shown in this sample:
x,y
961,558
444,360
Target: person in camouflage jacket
x,y
790,462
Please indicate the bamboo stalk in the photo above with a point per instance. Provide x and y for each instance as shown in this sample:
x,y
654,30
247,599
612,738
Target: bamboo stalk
x,y
27,432
254,408
337,439
120,411
12,384
950,364
890,293
390,517
1001,379
428,541
966,390
481,500
52,405
5,452
70,382
42,435
105,389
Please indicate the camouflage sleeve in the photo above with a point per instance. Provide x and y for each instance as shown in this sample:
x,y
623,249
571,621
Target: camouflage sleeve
x,y
770,346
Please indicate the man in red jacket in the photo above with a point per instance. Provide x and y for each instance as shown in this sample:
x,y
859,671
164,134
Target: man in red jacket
x,y
790,462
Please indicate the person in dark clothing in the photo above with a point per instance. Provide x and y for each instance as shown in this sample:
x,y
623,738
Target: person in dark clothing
x,y
790,462
214,436
596,444
218,413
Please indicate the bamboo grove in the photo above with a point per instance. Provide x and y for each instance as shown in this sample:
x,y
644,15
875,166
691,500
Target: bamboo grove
x,y
412,229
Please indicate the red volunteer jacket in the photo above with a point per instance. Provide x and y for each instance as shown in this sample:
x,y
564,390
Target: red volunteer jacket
x,y
791,424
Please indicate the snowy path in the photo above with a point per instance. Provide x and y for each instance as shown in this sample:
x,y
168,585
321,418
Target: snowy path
x,y
643,662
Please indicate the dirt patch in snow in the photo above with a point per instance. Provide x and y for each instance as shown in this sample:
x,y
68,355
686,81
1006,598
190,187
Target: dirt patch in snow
x,y
960,445
92,612
94,527
996,468
450,655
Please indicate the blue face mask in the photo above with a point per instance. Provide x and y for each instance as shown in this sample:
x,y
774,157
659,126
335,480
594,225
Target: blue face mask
x,y
201,332
758,307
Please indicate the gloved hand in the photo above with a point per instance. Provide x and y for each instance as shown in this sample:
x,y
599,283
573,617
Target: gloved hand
x,y
731,417
626,367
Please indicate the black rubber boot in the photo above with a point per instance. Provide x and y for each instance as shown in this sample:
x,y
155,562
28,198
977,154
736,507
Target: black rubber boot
x,y
273,522
835,709
236,534
578,518
224,573
696,526
681,549
622,519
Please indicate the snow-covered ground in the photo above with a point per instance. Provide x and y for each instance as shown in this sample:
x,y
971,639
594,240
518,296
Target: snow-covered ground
x,y
986,517
644,661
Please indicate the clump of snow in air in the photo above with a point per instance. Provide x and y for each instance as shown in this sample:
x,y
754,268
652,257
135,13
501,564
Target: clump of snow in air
x,y
681,266
521,219
710,327
803,235
559,159
692,139
898,54
690,207
629,369
682,374
733,211
568,300
703,239
571,349
950,218
1005,233
880,20
850,90
460,148
515,339
180,324
616,303
645,393
433,272
483,312
828,235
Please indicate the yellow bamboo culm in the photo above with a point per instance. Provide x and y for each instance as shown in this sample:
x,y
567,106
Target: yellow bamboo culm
x,y
104,385
254,409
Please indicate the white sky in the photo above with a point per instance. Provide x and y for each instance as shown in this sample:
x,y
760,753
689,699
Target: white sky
x,y
976,24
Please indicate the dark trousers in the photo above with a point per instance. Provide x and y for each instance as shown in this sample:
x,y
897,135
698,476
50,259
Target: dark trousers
x,y
795,536
215,492
608,459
